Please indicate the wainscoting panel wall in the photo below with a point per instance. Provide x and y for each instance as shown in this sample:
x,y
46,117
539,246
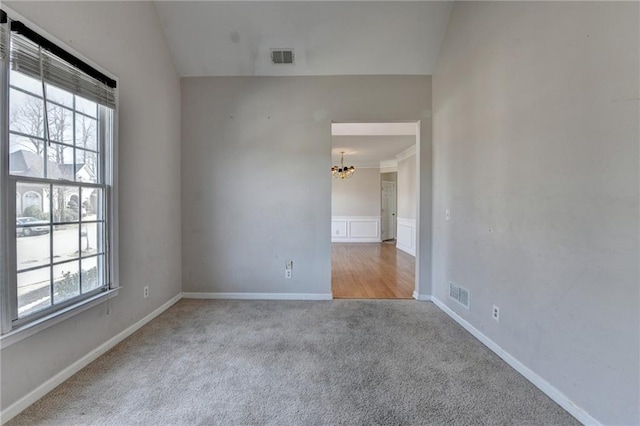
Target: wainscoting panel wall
x,y
355,229
406,235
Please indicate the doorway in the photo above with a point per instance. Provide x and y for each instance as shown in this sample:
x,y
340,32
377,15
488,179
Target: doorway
x,y
374,210
388,206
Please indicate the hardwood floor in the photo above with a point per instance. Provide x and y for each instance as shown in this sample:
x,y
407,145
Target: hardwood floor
x,y
371,271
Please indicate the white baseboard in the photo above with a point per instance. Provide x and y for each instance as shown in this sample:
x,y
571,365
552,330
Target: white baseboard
x,y
259,296
406,249
553,393
24,402
421,297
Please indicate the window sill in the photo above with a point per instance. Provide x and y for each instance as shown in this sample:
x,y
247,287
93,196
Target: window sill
x,y
43,323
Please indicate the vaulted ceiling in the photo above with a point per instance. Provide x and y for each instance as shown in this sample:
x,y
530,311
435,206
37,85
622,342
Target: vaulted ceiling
x,y
228,38
234,38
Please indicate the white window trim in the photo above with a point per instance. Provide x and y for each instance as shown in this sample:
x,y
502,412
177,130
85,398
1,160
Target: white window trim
x,y
9,336
33,327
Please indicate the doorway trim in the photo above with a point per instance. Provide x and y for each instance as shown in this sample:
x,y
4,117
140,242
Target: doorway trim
x,y
417,124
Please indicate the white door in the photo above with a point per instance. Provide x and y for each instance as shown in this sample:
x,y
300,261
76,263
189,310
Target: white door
x,y
388,210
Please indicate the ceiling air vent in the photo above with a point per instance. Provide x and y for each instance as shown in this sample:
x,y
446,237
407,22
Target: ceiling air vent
x,y
282,56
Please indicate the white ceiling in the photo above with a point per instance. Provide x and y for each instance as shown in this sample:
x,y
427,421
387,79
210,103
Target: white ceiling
x,y
367,144
368,151
214,38
374,129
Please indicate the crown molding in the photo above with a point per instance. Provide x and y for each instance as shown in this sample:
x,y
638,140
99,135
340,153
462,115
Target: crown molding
x,y
387,166
406,153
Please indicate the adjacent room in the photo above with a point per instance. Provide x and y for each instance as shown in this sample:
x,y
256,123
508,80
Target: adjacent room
x,y
178,244
373,210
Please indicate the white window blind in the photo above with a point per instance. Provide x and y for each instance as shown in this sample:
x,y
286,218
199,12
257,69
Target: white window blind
x,y
30,59
3,38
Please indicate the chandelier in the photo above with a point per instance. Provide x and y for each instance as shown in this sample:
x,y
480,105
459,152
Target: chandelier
x,y
342,172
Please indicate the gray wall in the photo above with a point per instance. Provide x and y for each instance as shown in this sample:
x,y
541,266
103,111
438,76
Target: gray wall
x,y
536,147
126,39
358,195
256,187
407,185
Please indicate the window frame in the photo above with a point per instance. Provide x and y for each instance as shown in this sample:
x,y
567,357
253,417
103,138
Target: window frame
x,y
12,328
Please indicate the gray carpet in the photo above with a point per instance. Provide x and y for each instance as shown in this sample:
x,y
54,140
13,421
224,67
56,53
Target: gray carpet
x,y
341,362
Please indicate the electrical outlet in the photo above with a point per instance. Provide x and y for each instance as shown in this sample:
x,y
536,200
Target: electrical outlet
x,y
288,267
496,313
145,291
447,214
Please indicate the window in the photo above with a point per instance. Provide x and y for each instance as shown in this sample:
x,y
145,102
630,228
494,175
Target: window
x,y
58,143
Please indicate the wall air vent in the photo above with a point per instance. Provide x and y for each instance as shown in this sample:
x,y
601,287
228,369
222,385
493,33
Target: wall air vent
x,y
282,56
454,292
460,294
464,297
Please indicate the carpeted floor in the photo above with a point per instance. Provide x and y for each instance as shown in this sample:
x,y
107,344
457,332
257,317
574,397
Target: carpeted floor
x,y
341,362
